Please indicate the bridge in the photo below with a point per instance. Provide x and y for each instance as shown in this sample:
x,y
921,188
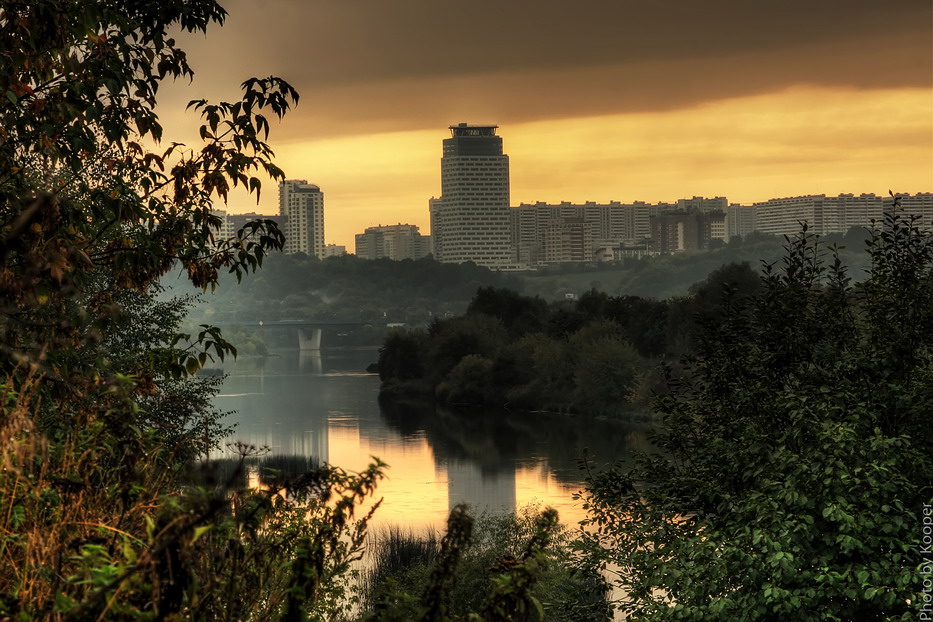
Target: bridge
x,y
309,332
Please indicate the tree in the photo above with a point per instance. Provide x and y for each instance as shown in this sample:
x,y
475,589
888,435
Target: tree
x,y
93,211
400,356
519,314
795,452
83,191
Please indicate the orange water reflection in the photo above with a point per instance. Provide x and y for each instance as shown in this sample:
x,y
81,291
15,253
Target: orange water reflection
x,y
418,492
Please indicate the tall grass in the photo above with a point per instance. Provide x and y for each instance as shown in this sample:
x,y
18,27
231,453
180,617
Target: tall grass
x,y
399,563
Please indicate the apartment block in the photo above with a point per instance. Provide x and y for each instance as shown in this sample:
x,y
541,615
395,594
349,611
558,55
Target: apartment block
x,y
548,233
334,250
686,231
396,242
303,206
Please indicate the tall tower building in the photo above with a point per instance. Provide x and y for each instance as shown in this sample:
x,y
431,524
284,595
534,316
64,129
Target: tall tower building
x,y
302,204
471,220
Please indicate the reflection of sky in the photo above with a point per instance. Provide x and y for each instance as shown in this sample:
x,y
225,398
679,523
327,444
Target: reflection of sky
x,y
328,410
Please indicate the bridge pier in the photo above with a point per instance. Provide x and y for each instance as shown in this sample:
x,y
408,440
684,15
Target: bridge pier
x,y
309,339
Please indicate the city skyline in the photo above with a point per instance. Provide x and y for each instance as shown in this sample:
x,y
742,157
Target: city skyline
x,y
606,102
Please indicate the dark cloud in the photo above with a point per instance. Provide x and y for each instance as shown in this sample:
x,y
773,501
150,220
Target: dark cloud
x,y
364,65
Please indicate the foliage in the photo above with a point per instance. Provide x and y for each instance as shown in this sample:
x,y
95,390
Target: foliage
x,y
469,382
399,356
89,535
82,193
519,314
796,452
350,289
671,276
98,411
511,567
606,370
98,408
583,365
454,339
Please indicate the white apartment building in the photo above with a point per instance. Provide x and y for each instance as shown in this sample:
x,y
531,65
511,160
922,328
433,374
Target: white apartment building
x,y
545,233
823,214
471,220
227,228
919,205
303,206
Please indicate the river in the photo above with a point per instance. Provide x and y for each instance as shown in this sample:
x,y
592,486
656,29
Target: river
x,y
325,406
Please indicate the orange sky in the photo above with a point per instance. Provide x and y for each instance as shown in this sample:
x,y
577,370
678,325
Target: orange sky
x,y
599,100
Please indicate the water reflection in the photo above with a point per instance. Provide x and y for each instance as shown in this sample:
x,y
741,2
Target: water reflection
x,y
326,408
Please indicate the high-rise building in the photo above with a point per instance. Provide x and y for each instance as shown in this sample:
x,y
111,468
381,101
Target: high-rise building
x,y
471,220
303,205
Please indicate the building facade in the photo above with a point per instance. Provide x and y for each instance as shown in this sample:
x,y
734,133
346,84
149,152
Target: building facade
x,y
919,206
396,242
686,231
302,204
471,220
550,233
334,250
822,214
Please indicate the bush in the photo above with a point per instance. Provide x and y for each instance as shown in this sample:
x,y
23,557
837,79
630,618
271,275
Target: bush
x,y
796,452
499,548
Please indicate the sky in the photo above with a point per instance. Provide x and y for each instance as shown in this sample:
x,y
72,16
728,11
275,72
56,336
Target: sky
x,y
595,100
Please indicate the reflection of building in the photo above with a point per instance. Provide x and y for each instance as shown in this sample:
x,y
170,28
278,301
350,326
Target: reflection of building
x,y
260,386
466,483
396,242
303,204
471,221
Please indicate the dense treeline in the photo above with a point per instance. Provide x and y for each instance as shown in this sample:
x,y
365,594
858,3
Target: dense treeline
x,y
669,276
595,355
298,287
350,289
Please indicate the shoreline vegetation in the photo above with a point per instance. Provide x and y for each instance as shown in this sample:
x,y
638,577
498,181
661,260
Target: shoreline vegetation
x,y
597,355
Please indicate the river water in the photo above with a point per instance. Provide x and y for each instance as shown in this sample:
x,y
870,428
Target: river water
x,y
325,406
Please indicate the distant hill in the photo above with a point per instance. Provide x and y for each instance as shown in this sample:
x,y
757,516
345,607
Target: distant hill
x,y
352,289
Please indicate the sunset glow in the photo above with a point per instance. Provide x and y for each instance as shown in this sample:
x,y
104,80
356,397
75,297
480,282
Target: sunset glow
x,y
612,101
801,141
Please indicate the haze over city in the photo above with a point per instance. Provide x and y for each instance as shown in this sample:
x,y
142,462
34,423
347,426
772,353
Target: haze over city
x,y
597,101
